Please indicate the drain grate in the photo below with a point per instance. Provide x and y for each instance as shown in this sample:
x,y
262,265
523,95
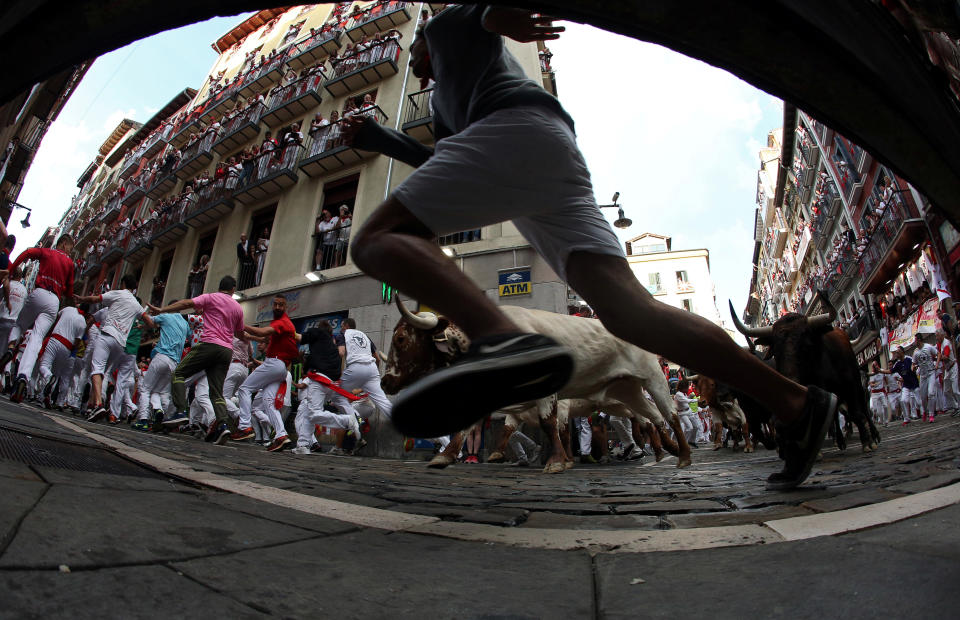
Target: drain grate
x,y
33,450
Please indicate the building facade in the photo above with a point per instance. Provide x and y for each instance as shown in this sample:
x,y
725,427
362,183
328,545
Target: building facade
x,y
830,217
680,278
183,199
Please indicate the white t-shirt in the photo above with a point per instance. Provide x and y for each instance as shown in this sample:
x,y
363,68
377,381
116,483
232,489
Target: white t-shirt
x,y
17,294
70,324
875,383
123,309
358,347
893,381
683,403
326,229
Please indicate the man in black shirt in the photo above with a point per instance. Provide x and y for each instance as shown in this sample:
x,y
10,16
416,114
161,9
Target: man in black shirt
x,y
321,367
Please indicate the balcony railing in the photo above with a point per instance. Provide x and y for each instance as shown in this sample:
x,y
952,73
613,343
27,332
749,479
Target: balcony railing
x,y
273,172
196,157
329,255
135,189
327,152
169,226
884,234
294,99
189,124
376,18
418,119
139,246
310,50
214,201
240,129
359,69
259,78
156,141
216,103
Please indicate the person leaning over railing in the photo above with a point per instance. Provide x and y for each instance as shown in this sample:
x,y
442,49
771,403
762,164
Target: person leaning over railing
x,y
344,223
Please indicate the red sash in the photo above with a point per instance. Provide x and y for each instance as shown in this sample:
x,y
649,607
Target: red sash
x,y
278,399
326,382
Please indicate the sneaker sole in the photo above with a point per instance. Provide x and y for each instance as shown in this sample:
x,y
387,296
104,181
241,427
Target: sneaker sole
x,y
533,374
818,439
222,438
174,422
280,447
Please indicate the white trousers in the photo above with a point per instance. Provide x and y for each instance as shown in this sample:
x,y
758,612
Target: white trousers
x,y
688,424
910,402
236,375
951,397
928,392
155,386
201,409
38,314
878,406
55,364
124,387
81,376
107,355
521,444
311,411
366,377
623,429
893,402
584,433
266,378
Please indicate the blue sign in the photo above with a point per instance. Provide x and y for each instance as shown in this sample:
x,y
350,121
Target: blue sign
x,y
515,281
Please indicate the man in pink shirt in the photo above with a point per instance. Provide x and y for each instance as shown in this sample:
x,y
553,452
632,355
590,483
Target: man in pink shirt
x,y
222,319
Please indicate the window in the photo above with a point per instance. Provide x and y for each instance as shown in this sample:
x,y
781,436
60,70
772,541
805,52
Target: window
x,y
651,248
654,283
198,270
687,305
682,276
332,234
160,280
258,244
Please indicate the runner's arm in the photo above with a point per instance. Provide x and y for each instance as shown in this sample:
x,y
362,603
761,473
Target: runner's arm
x,y
88,299
149,321
180,306
369,135
521,25
258,332
27,254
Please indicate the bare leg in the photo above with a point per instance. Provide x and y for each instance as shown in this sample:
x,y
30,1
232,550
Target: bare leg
x,y
630,312
555,464
498,453
96,391
395,247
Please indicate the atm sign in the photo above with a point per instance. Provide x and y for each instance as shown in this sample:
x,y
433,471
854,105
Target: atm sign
x,y
515,282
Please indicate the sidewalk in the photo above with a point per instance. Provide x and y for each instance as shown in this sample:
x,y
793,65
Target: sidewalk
x,y
138,544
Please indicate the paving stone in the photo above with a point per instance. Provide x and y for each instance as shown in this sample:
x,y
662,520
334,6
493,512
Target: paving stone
x,y
553,520
370,574
19,497
506,517
795,497
81,526
270,512
927,483
850,500
132,593
56,475
655,508
568,507
934,534
738,517
18,470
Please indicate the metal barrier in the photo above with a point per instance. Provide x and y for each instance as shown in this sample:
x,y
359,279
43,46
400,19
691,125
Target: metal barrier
x,y
295,89
389,49
419,107
375,11
329,137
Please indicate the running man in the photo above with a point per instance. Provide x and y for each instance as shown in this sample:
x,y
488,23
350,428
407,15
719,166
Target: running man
x,y
506,150
54,282
222,320
281,351
57,362
155,385
360,366
123,308
14,295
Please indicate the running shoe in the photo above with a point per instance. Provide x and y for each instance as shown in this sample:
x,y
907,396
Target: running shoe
x,y
142,425
337,451
19,390
113,420
496,372
801,441
98,413
472,459
302,450
242,434
218,434
177,419
278,444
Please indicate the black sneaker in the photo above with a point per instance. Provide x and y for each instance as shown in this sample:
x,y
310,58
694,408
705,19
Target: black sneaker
x,y
218,434
19,390
98,413
800,442
157,424
494,373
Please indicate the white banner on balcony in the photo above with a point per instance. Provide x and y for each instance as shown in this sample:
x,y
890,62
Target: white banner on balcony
x,y
804,245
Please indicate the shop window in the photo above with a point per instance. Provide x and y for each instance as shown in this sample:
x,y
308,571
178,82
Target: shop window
x,y
332,235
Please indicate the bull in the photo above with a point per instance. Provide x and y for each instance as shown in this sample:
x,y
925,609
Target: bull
x,y
725,412
605,368
810,351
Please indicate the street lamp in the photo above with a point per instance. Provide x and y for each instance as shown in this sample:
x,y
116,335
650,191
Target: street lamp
x,y
622,221
25,222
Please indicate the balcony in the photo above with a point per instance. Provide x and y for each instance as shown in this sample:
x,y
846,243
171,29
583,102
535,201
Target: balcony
x,y
161,184
327,152
311,50
270,175
190,124
133,191
131,164
170,226
214,202
891,245
376,18
195,157
239,130
257,80
112,209
418,119
92,266
157,140
114,252
216,105
139,246
195,284
294,100
360,69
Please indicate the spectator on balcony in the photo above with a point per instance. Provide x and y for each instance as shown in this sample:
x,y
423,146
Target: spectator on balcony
x,y
293,137
263,245
350,108
198,276
318,122
344,223
368,107
269,143
234,169
326,230
156,293
248,161
289,78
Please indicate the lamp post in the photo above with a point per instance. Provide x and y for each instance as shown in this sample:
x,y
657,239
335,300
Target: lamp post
x,y
622,221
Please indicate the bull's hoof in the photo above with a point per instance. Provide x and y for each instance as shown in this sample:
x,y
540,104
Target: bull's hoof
x,y
554,468
659,456
684,462
747,449
497,457
568,464
716,447
440,461
874,445
867,448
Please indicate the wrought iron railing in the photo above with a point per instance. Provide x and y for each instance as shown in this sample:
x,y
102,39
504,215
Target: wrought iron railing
x,y
329,137
375,11
293,90
418,107
388,49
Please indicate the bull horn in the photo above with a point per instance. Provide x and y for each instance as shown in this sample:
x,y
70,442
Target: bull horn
x,y
421,320
750,332
863,337
692,377
820,320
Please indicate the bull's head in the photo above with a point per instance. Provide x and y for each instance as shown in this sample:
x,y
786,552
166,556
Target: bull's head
x,y
706,388
421,343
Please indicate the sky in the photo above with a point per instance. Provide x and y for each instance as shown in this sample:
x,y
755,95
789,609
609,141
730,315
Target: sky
x,y
677,138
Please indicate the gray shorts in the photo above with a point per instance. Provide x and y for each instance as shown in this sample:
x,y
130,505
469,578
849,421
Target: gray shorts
x,y
520,164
